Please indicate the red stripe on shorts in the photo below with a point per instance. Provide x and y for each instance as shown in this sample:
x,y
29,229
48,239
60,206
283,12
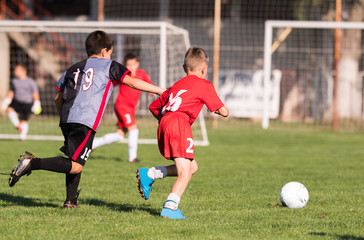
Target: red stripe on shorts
x,y
79,149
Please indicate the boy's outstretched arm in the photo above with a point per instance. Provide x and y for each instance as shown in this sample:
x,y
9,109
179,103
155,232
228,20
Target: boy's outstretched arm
x,y
223,111
141,85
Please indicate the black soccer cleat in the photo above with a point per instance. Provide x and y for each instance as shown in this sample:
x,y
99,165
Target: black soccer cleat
x,y
23,168
72,204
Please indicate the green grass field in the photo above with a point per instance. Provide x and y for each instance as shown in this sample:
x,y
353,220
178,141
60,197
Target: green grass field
x,y
235,194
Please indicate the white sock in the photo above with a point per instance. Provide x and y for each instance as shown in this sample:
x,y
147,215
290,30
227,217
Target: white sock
x,y
13,117
172,201
107,139
133,144
24,131
157,172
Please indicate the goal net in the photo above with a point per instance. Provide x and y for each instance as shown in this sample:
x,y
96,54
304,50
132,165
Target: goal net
x,y
304,54
47,49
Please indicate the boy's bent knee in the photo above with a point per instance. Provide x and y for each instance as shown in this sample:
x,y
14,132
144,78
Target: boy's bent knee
x,y
186,175
194,169
9,110
76,168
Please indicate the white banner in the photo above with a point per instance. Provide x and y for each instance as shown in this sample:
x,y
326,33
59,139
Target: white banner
x,y
242,92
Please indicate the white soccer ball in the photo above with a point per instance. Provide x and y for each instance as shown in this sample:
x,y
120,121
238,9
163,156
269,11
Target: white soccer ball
x,y
294,195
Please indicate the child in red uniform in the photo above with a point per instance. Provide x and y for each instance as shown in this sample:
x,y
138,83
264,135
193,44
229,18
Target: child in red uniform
x,y
176,109
125,108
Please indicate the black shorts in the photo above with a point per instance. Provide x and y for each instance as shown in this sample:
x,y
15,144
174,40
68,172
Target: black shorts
x,y
78,140
23,109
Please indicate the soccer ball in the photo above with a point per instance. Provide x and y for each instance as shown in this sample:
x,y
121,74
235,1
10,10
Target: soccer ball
x,y
294,195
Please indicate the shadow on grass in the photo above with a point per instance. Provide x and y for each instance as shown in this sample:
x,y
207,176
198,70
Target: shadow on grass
x,y
338,236
24,201
121,207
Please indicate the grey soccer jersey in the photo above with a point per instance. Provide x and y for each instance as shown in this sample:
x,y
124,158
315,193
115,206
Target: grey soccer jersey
x,y
23,89
87,86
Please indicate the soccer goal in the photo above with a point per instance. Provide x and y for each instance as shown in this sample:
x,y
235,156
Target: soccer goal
x,y
305,52
48,48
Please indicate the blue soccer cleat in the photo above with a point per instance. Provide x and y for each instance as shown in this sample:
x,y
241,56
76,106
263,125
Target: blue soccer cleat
x,y
172,214
144,182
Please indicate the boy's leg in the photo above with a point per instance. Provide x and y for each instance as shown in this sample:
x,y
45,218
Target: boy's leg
x,y
28,162
72,182
55,164
147,176
169,171
133,144
13,117
23,128
184,174
185,169
126,121
78,143
24,111
108,139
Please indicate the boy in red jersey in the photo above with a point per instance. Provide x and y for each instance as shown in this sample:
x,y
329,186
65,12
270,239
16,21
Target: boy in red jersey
x,y
176,109
125,108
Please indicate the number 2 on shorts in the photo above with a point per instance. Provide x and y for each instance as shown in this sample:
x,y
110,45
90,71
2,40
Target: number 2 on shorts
x,y
190,148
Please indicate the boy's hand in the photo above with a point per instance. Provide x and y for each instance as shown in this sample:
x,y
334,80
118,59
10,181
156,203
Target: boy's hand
x,y
223,111
5,104
162,91
36,108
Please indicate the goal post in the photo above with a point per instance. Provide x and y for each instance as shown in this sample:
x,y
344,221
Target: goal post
x,y
307,55
48,48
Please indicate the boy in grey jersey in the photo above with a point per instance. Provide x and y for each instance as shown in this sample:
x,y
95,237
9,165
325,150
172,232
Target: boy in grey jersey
x,y
22,99
84,90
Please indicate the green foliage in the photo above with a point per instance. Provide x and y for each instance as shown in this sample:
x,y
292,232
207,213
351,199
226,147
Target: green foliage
x,y
235,194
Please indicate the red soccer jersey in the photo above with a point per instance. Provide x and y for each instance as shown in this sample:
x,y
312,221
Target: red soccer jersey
x,y
188,95
128,96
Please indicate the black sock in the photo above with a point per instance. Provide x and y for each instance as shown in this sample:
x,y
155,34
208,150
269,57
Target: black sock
x,y
53,164
72,182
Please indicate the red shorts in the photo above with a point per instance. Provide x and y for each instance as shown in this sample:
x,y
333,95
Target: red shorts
x,y
175,136
126,116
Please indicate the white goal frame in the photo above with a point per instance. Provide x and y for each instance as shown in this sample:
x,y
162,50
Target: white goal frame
x,y
160,28
268,32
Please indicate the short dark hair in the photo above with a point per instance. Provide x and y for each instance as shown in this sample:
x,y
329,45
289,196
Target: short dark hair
x,y
130,56
96,41
194,57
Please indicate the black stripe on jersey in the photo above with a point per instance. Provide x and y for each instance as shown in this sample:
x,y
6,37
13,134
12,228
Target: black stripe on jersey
x,y
71,87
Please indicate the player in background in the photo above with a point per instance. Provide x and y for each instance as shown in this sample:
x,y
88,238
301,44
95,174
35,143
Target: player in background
x,y
84,90
22,99
125,108
176,109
